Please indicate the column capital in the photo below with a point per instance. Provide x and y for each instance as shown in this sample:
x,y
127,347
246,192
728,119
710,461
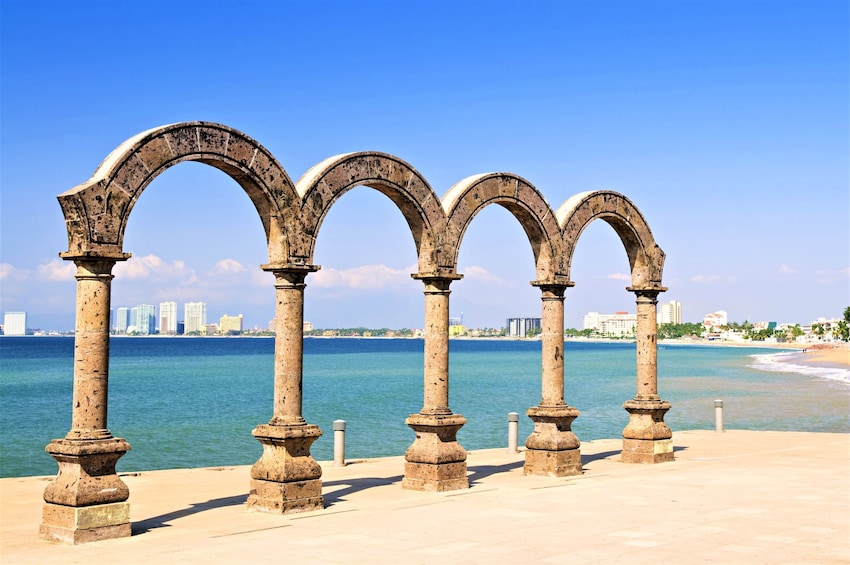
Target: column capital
x,y
94,266
553,289
112,256
437,283
648,294
290,274
557,280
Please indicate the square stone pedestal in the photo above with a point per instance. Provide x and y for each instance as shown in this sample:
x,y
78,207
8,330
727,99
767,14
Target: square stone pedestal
x,y
285,498
647,439
86,523
552,463
435,477
552,450
286,478
435,462
647,451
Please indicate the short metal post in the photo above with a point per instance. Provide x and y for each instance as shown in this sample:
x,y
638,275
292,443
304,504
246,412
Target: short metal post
x,y
513,429
718,415
339,443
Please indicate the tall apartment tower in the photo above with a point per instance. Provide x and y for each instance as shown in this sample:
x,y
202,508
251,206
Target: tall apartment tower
x,y
143,319
168,318
670,313
195,317
15,323
133,324
122,320
519,327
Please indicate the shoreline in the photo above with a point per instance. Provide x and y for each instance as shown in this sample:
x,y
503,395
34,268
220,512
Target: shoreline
x,y
826,355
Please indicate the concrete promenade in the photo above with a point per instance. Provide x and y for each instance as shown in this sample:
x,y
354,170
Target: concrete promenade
x,y
732,497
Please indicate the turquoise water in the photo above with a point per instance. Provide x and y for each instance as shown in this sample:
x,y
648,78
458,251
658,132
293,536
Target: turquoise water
x,y
192,402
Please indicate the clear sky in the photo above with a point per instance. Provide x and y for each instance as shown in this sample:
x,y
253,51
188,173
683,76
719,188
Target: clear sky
x,y
725,122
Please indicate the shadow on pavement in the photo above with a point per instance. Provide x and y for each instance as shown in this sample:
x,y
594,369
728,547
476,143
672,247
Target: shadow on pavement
x,y
354,485
163,520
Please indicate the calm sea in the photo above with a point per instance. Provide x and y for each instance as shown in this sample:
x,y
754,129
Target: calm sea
x,y
192,402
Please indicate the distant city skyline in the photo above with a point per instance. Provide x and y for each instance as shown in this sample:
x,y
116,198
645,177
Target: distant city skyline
x,y
125,319
725,123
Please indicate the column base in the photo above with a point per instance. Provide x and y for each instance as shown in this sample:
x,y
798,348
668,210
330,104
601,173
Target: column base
x,y
552,463
552,449
85,524
647,439
435,462
86,472
285,498
286,479
435,477
647,451
87,501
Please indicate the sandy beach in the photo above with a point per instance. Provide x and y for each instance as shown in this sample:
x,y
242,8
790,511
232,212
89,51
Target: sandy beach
x,y
819,354
838,356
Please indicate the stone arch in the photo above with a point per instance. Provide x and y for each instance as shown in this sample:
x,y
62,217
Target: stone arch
x,y
327,181
469,196
96,212
646,259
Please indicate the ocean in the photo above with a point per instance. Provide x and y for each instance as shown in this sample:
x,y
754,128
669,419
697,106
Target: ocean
x,y
192,402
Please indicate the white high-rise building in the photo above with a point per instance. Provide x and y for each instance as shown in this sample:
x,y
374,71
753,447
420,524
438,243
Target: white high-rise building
x,y
122,320
670,313
143,319
195,317
15,323
168,318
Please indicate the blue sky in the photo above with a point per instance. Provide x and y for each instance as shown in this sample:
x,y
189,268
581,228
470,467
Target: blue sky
x,y
725,122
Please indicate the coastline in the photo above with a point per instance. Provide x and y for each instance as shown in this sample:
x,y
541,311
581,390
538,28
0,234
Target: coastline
x,y
828,355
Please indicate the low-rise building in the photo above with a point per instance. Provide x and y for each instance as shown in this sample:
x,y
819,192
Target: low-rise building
x,y
229,325
619,324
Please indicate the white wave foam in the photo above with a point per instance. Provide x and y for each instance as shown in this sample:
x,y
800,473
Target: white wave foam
x,y
778,363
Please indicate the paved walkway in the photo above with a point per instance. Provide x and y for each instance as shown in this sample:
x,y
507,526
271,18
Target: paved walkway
x,y
735,497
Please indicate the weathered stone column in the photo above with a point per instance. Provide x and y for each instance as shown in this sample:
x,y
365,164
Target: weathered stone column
x,y
552,448
87,501
647,439
436,461
286,478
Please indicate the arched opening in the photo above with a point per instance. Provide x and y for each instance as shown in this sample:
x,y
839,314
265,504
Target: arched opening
x,y
364,288
195,238
600,271
497,263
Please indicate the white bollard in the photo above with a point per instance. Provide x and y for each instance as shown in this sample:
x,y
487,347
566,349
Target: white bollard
x,y
513,429
718,415
339,443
